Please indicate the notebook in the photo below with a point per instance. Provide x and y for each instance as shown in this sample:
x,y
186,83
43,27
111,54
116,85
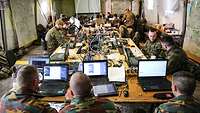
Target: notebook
x,y
97,70
55,80
152,75
39,62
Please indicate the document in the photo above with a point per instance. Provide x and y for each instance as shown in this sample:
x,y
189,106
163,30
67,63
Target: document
x,y
116,74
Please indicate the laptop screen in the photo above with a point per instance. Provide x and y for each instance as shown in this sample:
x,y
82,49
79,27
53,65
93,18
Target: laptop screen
x,y
95,68
38,61
152,68
55,72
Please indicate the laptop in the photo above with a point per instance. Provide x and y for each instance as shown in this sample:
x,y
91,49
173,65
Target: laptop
x,y
97,70
39,62
55,80
61,56
152,75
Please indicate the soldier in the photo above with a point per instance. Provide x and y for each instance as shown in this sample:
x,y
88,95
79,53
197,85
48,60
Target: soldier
x,y
177,59
183,87
127,30
82,101
55,36
4,65
22,98
152,46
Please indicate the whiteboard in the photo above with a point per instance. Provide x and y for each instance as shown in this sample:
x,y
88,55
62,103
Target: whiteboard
x,y
87,6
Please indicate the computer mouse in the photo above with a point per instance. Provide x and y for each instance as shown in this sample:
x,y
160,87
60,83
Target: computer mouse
x,y
126,93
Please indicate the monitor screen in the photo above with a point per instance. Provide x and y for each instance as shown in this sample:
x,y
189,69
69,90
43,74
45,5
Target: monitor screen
x,y
38,61
152,68
55,72
95,68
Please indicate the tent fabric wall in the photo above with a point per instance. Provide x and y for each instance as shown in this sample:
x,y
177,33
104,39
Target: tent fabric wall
x,y
159,12
192,38
24,21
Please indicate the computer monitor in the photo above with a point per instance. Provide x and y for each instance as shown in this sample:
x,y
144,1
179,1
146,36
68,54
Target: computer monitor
x,y
56,72
95,68
152,68
38,61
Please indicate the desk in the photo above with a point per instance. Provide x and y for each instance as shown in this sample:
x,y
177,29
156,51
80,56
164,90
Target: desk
x,y
136,94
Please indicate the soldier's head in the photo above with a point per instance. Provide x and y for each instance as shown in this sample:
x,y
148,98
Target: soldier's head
x,y
183,83
80,85
27,79
59,24
167,42
152,34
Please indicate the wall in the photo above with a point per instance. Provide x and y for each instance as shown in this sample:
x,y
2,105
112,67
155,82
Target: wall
x,y
68,7
118,6
158,13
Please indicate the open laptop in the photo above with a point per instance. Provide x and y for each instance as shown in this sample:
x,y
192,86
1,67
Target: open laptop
x,y
152,75
39,62
97,70
61,56
55,79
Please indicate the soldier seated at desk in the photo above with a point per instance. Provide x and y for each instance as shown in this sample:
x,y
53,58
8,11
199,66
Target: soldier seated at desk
x,y
152,46
81,99
183,87
55,36
23,98
127,29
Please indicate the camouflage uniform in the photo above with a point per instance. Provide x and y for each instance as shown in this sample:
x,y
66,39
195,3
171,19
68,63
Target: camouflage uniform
x,y
180,104
89,105
54,38
4,66
21,103
177,60
127,30
153,49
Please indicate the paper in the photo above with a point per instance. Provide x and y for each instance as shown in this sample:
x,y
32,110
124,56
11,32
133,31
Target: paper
x,y
116,74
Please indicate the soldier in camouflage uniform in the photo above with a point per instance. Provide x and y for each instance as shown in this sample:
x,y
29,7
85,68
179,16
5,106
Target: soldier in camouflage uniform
x,y
183,87
4,65
177,59
82,101
55,36
127,30
152,46
23,98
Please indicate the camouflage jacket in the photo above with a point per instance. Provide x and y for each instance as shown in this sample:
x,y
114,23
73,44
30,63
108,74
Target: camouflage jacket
x,y
54,38
180,104
177,60
89,105
153,48
21,103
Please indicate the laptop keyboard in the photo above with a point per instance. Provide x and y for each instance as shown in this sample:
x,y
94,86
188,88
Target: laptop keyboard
x,y
99,80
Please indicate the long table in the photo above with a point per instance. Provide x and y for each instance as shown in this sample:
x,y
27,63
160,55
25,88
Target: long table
x,y
136,94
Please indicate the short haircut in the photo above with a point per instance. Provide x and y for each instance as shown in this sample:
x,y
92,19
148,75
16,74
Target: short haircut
x,y
25,76
80,84
185,82
167,39
59,22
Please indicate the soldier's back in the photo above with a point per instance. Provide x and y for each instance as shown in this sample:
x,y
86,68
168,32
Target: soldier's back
x,y
180,104
21,103
90,105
